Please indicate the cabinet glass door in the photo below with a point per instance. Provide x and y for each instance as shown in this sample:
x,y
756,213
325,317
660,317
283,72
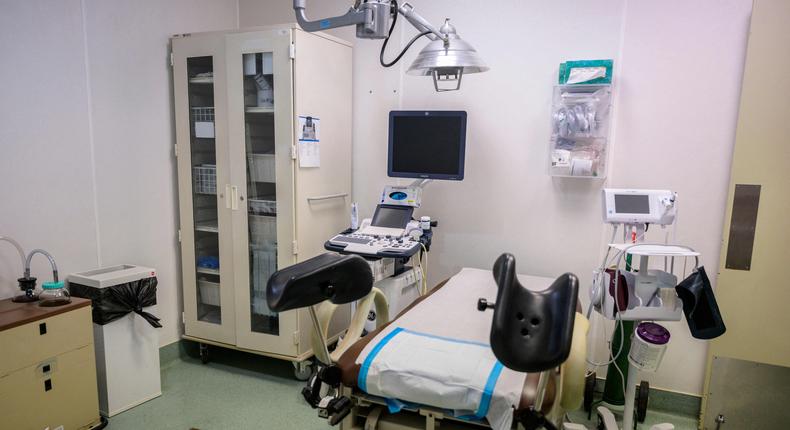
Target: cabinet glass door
x,y
203,168
203,152
259,115
259,97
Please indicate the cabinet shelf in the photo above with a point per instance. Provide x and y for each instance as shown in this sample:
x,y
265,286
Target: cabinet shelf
x,y
202,80
208,271
207,226
655,250
258,109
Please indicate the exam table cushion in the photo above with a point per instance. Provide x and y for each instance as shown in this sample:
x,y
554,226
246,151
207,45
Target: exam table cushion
x,y
350,369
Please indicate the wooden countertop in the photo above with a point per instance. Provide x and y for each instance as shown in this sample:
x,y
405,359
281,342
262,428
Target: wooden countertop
x,y
16,314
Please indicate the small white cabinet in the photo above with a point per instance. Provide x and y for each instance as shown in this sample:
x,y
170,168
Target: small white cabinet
x,y
247,208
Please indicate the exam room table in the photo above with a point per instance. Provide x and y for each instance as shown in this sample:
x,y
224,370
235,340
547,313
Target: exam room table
x,y
447,314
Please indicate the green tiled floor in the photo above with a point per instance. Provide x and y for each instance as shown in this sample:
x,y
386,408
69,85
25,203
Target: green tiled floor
x,y
235,391
653,417
243,391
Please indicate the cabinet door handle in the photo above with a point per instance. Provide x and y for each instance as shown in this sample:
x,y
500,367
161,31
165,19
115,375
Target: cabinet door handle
x,y
227,196
327,197
234,198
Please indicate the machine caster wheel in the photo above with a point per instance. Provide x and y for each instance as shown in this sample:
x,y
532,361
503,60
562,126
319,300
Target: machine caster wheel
x,y
203,353
642,393
589,391
303,370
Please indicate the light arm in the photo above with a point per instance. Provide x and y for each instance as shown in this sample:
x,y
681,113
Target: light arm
x,y
419,22
371,18
352,17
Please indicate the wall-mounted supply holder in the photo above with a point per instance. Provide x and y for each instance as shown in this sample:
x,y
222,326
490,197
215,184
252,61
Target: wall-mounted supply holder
x,y
581,117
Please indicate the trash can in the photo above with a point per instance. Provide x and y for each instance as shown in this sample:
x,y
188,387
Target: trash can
x,y
125,333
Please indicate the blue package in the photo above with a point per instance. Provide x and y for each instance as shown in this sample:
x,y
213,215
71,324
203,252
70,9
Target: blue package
x,y
208,262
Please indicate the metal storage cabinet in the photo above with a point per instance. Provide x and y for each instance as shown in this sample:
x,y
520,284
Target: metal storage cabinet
x,y
246,205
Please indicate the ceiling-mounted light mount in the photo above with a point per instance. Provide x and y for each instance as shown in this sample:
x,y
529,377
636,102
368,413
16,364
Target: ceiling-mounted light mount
x,y
446,58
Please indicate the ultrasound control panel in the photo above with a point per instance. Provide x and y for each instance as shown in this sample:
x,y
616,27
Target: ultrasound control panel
x,y
373,246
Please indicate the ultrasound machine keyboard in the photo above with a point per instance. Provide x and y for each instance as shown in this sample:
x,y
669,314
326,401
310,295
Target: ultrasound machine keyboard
x,y
377,246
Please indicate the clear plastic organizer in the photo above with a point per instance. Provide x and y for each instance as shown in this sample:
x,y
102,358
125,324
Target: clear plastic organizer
x,y
209,292
205,179
261,167
263,206
581,117
263,229
264,264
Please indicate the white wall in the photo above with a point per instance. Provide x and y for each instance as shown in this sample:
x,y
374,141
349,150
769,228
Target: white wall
x,y
99,106
47,197
679,68
134,133
679,90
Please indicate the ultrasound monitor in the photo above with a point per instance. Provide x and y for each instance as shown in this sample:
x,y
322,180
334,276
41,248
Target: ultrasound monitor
x,y
427,144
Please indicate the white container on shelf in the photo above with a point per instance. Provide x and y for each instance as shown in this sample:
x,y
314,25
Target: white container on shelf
x,y
203,117
261,167
209,292
249,64
127,349
205,179
263,206
267,63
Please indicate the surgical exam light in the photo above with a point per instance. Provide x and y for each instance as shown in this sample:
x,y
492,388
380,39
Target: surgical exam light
x,y
446,58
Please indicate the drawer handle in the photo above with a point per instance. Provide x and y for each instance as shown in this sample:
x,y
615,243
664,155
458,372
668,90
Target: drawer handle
x,y
47,385
327,197
42,328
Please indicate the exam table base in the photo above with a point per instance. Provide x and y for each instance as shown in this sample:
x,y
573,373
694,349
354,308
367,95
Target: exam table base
x,y
370,413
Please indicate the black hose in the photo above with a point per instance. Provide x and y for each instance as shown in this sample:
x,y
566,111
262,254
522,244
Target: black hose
x,y
408,45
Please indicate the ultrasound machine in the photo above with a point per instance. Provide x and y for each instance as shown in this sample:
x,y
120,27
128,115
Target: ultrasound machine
x,y
424,145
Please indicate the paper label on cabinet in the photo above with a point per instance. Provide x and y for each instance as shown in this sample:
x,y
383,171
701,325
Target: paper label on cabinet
x,y
309,147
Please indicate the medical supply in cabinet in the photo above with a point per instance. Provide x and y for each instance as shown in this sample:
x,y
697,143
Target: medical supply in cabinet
x,y
204,122
205,178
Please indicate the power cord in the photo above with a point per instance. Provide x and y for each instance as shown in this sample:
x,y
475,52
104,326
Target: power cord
x,y
424,280
408,45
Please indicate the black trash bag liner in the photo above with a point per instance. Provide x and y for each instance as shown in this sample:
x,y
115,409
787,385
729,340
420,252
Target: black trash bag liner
x,y
700,307
114,302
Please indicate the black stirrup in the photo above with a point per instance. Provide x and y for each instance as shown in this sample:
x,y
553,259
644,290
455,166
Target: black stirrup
x,y
532,330
334,277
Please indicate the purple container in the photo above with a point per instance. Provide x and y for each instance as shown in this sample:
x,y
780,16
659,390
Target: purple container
x,y
653,333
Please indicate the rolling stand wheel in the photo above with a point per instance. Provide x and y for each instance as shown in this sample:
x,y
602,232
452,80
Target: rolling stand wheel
x,y
203,353
303,370
642,393
589,392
